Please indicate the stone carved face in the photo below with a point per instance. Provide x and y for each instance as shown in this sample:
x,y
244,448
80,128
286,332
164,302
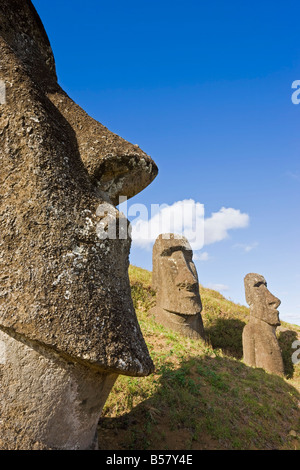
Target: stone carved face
x,y
263,304
175,276
62,174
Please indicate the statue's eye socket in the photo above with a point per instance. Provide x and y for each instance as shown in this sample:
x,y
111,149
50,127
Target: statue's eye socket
x,y
260,283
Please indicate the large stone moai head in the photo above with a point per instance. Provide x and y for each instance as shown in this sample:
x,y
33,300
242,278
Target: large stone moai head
x,y
260,344
263,305
63,274
175,280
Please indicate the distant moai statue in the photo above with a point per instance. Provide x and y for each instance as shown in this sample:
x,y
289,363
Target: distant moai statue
x,y
260,344
175,280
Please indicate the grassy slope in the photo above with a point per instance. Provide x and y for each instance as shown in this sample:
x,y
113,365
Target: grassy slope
x,y
202,396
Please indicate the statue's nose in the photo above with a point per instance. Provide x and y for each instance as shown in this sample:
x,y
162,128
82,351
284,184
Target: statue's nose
x,y
185,278
273,301
116,166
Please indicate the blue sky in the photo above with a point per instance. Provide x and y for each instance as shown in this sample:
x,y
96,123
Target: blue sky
x,y
205,89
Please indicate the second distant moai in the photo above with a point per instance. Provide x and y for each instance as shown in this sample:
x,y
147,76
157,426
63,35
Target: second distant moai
x,y
175,280
260,344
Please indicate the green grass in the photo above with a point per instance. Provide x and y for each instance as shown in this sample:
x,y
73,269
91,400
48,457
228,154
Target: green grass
x,y
202,396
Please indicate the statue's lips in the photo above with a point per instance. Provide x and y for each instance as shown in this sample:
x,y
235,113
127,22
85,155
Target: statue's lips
x,y
275,314
275,311
190,294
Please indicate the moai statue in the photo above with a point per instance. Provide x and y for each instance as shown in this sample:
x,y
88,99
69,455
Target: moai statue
x,y
175,280
68,327
260,344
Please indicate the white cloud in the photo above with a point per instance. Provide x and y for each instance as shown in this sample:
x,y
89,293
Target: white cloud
x,y
293,318
186,218
246,248
204,256
183,217
293,175
217,226
218,287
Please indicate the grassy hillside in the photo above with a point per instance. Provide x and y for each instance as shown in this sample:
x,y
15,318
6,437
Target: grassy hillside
x,y
202,396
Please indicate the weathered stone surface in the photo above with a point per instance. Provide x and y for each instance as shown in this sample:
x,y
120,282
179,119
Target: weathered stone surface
x,y
175,280
55,405
63,288
60,284
260,344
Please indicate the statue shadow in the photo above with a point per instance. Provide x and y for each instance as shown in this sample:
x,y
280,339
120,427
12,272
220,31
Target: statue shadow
x,y
204,403
286,338
226,334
